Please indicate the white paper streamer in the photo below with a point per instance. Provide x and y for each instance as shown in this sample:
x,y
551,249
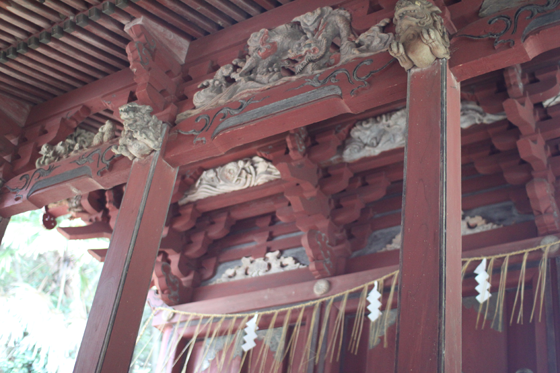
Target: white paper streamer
x,y
250,334
375,305
483,286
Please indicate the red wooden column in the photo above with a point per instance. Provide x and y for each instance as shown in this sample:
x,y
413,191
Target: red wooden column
x,y
429,328
116,313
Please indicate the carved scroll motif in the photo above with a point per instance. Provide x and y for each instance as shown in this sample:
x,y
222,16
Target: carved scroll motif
x,y
420,36
375,135
273,262
233,176
301,47
142,132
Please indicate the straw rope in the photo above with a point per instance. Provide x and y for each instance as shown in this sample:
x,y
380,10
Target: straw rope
x,y
331,342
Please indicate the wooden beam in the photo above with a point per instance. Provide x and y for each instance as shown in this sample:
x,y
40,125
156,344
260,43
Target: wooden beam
x,y
116,313
430,265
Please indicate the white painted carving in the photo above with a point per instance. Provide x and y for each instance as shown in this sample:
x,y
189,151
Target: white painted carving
x,y
552,101
233,176
273,262
105,134
76,142
376,135
469,225
142,131
472,114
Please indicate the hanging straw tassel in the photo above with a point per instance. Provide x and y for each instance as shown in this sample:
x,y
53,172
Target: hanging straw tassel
x,y
337,332
499,312
191,344
541,283
323,330
279,356
264,347
388,309
305,358
294,339
358,322
464,269
520,289
230,337
209,345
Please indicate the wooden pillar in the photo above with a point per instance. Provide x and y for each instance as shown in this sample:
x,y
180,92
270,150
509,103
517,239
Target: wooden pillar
x,y
116,313
429,328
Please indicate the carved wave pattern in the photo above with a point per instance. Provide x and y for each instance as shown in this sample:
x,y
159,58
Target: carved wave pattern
x,y
233,176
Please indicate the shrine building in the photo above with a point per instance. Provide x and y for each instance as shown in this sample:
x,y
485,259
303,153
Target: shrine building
x,y
314,186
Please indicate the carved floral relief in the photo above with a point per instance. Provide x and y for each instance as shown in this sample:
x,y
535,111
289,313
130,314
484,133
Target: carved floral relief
x,y
375,135
273,262
301,47
233,176
420,36
142,132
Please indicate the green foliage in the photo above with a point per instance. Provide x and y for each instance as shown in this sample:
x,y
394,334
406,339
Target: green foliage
x,y
47,285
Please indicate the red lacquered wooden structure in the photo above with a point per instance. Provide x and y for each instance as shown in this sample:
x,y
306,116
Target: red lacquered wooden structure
x,y
68,64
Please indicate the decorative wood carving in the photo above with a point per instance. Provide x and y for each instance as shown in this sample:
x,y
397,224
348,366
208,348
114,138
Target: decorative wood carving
x,y
105,134
308,40
273,262
375,135
75,143
385,132
469,225
472,114
490,7
142,131
233,176
420,36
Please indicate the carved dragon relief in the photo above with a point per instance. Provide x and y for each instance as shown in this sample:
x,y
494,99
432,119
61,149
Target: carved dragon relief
x,y
302,47
420,37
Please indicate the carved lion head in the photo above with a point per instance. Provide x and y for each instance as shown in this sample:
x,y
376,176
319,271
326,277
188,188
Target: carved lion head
x,y
414,13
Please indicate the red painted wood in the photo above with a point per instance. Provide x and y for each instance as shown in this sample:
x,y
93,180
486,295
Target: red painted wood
x,y
110,334
430,268
484,350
